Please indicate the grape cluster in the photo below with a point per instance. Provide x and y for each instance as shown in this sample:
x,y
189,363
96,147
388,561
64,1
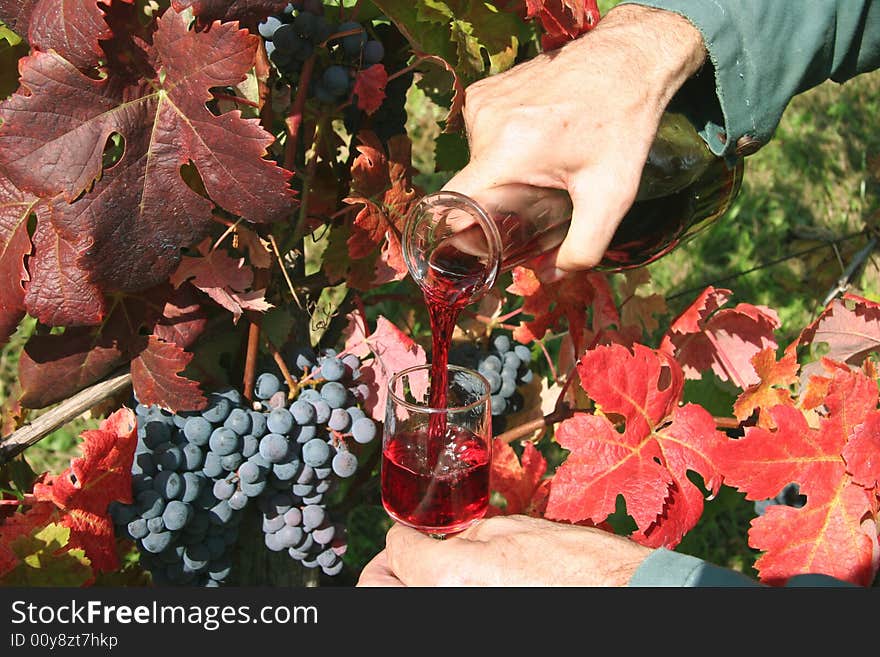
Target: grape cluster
x,y
293,36
194,473
506,366
790,495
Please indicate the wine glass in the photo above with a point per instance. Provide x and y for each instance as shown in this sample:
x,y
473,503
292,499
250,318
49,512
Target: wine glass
x,y
436,456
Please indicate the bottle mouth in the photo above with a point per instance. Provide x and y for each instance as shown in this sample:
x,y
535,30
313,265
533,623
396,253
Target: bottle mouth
x,y
448,235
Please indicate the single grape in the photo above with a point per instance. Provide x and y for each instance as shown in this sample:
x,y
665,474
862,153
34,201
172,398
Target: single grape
x,y
316,452
250,445
239,420
156,542
224,441
280,420
323,535
290,535
223,489
230,462
344,464
303,412
192,486
177,514
364,430
335,394
193,457
339,420
267,27
327,558
238,500
322,411
501,342
274,447
218,408
137,528
335,569
286,472
272,524
374,51
169,485
313,515
249,472
353,43
333,368
293,516
212,467
197,430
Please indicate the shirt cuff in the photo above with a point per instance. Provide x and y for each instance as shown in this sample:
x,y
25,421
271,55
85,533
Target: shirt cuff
x,y
668,568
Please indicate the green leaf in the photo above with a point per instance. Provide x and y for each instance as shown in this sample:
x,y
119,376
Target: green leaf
x,y
45,561
451,152
276,325
472,36
8,35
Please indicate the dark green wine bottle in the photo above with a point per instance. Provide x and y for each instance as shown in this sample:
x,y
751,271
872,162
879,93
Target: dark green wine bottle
x,y
683,189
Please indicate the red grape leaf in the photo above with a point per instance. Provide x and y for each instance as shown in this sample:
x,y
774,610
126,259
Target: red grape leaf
x,y
60,292
16,14
100,476
53,367
247,11
382,184
522,484
550,303
392,351
129,225
155,377
862,453
563,20
258,249
183,318
15,244
73,28
827,534
851,329
369,87
223,278
647,461
773,387
725,340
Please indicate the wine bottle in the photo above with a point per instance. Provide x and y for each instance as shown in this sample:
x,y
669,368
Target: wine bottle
x,y
683,189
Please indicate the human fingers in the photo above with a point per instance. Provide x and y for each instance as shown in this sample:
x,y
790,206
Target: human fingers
x,y
378,573
600,199
420,560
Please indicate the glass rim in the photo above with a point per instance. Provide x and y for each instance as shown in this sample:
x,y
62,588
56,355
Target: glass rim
x,y
452,200
425,408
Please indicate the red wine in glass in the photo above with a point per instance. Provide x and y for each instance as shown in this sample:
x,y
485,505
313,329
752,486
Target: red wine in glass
x,y
445,497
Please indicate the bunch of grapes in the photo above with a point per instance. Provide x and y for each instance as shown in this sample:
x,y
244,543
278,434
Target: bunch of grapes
x,y
294,35
194,473
506,366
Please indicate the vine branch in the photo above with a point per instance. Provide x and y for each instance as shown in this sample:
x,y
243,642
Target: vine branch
x,y
57,417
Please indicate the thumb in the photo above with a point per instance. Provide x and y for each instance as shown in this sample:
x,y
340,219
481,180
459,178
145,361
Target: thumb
x,y
600,199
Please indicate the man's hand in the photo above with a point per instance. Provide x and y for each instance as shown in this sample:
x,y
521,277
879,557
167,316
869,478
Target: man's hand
x,y
512,550
582,119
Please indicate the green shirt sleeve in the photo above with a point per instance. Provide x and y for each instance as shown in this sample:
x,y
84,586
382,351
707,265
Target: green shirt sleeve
x,y
673,569
764,52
